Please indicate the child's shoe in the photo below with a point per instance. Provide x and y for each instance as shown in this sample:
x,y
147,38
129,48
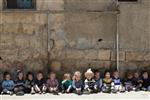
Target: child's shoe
x,y
55,93
86,92
32,92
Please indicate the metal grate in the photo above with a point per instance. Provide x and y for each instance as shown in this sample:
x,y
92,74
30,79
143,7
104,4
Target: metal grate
x,y
20,4
127,0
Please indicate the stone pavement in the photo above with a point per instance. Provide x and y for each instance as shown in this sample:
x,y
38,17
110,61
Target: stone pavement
x,y
99,96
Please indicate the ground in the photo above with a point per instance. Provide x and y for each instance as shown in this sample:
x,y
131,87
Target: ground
x,y
99,96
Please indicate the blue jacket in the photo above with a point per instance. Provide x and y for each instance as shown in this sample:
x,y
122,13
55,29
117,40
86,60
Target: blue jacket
x,y
8,84
117,81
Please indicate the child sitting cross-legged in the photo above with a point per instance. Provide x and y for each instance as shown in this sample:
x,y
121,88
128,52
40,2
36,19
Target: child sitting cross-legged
x,y
19,84
98,80
107,83
137,81
40,84
66,83
146,81
89,82
52,84
29,83
77,83
128,82
118,86
7,84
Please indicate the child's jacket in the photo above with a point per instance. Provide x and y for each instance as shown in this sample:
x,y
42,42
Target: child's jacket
x,y
89,83
29,83
66,84
107,82
99,83
77,84
117,81
8,84
19,83
40,83
128,82
52,83
146,82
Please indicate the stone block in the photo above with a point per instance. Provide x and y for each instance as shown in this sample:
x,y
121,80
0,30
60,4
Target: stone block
x,y
121,56
53,5
135,56
104,55
74,54
91,54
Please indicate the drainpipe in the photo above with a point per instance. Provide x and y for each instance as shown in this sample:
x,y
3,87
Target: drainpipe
x,y
48,32
117,36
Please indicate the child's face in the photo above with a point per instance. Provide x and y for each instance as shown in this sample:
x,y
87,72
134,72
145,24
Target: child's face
x,y
97,75
78,77
107,75
130,76
52,76
68,77
39,76
8,77
30,77
20,76
89,76
136,75
145,75
116,74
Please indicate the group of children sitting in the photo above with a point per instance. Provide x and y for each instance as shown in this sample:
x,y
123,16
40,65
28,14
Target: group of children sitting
x,y
93,83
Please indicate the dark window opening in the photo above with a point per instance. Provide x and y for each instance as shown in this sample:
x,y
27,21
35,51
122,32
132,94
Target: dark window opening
x,y
127,0
20,4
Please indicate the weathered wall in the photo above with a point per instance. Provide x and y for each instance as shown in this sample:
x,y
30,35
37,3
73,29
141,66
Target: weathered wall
x,y
68,31
134,32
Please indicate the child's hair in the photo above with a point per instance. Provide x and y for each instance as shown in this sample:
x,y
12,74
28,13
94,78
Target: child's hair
x,y
1,58
29,73
50,73
39,72
19,72
107,71
66,75
96,71
5,74
77,73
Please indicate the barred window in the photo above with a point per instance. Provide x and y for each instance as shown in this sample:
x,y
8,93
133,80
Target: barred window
x,y
128,0
20,4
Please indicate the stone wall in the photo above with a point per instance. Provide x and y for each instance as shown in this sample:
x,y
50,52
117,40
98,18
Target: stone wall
x,y
76,35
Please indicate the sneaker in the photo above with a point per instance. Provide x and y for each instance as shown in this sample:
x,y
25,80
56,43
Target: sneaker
x,y
11,93
32,92
55,93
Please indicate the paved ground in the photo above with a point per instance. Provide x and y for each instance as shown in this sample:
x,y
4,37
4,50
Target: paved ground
x,y
99,96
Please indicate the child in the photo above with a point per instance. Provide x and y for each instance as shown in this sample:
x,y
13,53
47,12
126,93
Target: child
x,y
7,84
89,82
29,83
129,82
52,84
137,81
40,84
146,81
66,83
77,83
117,82
19,84
98,80
107,83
